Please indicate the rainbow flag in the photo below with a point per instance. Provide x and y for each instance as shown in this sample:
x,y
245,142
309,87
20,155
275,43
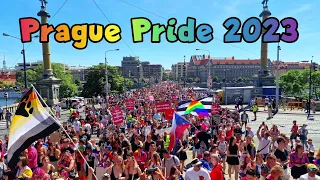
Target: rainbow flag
x,y
197,107
30,123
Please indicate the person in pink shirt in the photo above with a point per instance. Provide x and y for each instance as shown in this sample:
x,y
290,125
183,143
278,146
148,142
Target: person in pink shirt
x,y
32,157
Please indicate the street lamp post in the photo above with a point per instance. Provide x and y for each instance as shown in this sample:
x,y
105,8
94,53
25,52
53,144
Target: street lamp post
x,y
24,58
138,74
277,77
225,87
106,64
310,84
184,71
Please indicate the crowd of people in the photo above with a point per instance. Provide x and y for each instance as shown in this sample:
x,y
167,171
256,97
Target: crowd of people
x,y
220,146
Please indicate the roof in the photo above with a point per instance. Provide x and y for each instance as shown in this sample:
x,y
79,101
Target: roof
x,y
286,64
228,60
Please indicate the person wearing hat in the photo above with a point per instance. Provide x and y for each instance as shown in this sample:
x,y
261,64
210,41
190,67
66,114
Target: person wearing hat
x,y
197,171
312,173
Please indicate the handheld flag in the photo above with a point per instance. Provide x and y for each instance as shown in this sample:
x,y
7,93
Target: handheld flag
x,y
197,107
206,102
179,125
30,123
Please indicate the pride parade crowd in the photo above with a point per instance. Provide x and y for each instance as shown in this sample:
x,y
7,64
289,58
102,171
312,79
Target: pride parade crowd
x,y
129,136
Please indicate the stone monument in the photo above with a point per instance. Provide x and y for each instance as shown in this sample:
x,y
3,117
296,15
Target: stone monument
x,y
48,87
264,77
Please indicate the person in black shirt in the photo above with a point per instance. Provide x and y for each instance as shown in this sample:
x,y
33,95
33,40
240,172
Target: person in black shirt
x,y
281,153
147,143
203,136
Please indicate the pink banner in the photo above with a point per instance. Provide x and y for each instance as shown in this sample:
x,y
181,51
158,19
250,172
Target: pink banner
x,y
215,109
117,115
162,106
130,104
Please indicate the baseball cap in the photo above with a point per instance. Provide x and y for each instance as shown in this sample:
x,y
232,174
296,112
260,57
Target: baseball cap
x,y
312,167
196,162
109,147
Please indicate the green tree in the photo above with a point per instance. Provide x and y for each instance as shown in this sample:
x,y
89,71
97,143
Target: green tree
x,y
294,83
129,83
224,79
68,88
215,79
190,80
165,76
240,79
96,81
171,77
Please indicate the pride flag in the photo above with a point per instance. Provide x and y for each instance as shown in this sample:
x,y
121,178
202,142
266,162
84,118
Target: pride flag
x,y
179,125
30,123
197,107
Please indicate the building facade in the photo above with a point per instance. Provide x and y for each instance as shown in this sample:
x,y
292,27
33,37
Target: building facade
x,y
8,78
132,67
29,65
180,70
229,68
79,72
284,67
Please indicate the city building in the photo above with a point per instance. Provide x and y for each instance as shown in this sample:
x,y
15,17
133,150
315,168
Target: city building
x,y
132,67
178,71
79,72
229,68
284,67
8,77
29,65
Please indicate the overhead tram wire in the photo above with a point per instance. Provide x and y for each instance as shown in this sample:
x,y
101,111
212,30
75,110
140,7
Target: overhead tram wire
x,y
39,37
110,22
125,2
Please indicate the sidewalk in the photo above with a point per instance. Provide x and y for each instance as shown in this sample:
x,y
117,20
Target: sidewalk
x,y
281,111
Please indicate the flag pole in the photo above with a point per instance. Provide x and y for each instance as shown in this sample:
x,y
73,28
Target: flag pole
x,y
57,121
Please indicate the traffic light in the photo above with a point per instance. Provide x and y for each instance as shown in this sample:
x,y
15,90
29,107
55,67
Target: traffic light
x,y
6,95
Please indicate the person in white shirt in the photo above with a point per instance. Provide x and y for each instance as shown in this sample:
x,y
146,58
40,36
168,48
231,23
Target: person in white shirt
x,y
197,172
58,111
312,173
77,125
264,140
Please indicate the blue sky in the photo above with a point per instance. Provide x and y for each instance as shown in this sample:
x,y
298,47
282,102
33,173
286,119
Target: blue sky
x,y
213,12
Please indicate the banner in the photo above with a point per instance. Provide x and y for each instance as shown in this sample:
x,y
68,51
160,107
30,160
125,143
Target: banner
x,y
215,109
117,115
130,104
162,106
169,114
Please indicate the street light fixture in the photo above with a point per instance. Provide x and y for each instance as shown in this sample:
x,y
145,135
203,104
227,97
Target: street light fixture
x,y
24,58
310,84
106,64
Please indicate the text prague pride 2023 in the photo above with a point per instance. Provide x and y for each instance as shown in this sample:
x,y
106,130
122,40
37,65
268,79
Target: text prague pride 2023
x,y
80,34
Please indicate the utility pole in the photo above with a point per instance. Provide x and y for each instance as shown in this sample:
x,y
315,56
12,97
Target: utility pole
x,y
184,71
310,84
225,86
277,77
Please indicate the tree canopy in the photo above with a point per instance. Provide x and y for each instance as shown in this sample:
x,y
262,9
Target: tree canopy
x,y
68,86
96,79
295,82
